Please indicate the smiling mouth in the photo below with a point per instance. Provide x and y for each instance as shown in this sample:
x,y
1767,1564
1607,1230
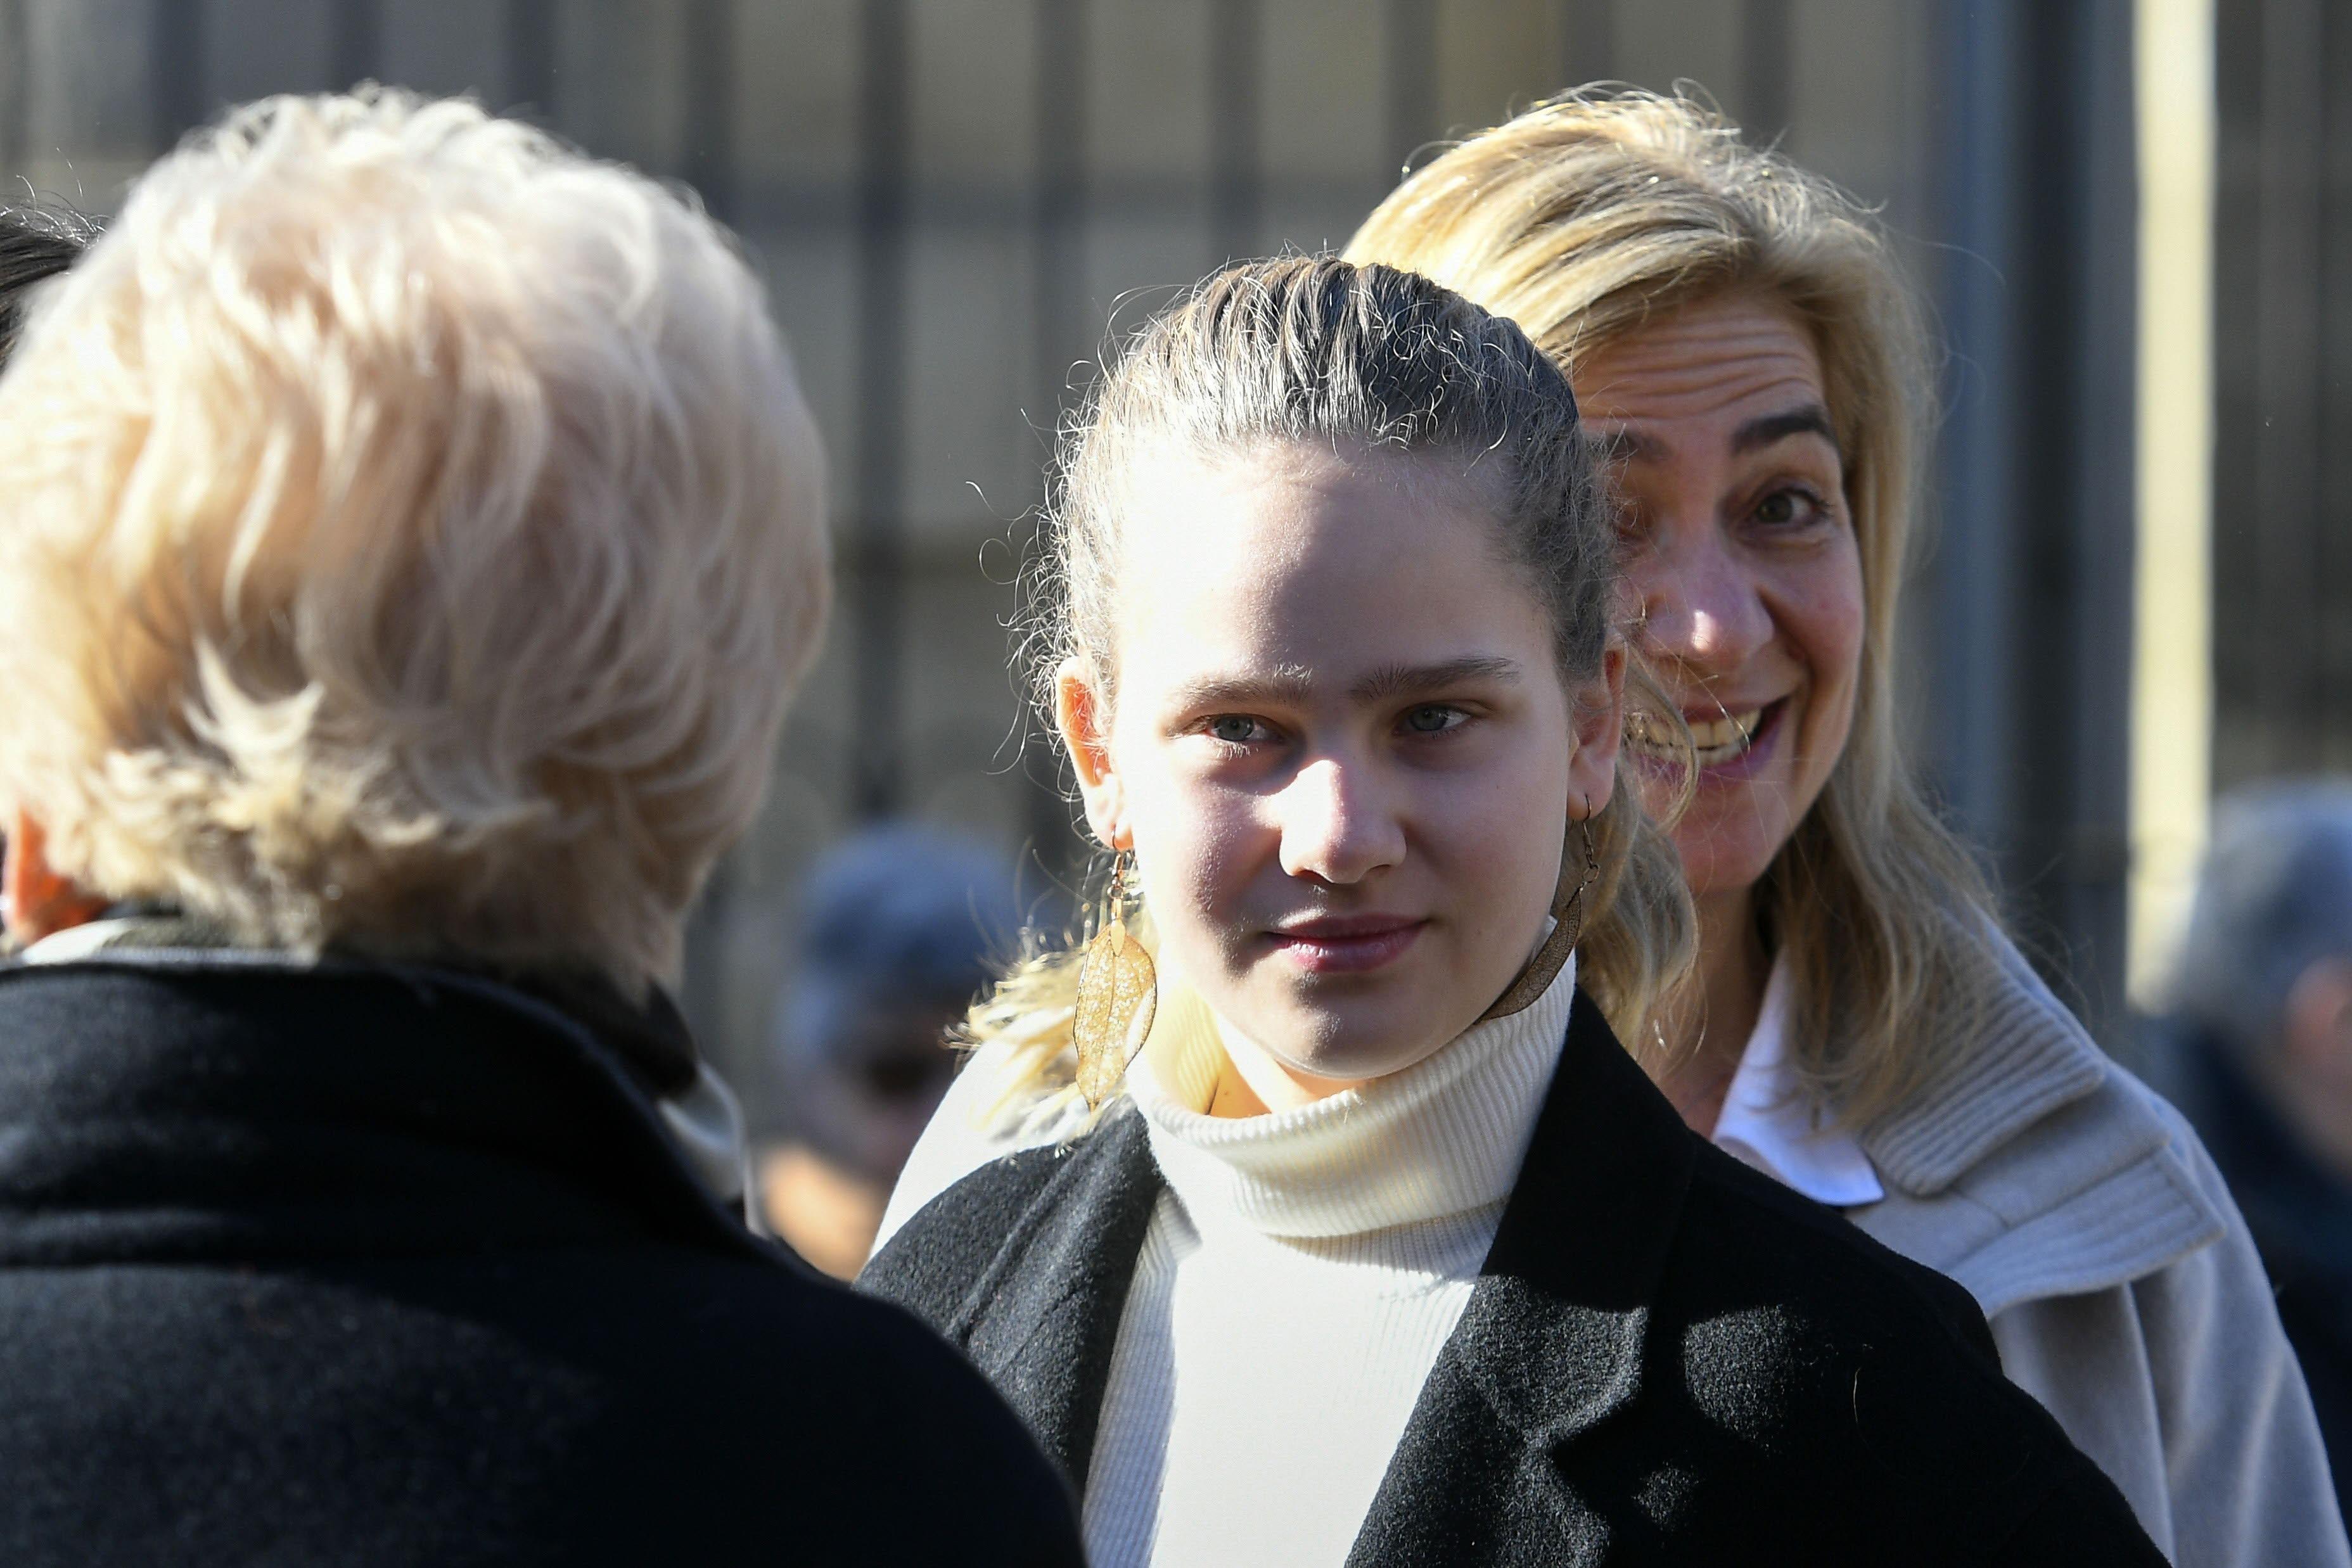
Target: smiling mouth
x,y
1714,742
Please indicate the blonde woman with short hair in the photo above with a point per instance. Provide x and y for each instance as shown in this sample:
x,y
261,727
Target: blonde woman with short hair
x,y
415,530
1860,1028
1382,1251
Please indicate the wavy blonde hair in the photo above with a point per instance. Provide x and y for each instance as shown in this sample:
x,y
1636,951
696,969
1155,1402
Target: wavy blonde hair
x,y
1587,219
415,530
1313,349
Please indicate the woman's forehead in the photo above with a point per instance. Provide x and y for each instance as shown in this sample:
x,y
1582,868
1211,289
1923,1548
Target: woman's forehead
x,y
1706,361
1313,565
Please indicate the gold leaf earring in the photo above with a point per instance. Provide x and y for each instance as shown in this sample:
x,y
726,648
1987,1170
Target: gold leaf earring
x,y
1118,992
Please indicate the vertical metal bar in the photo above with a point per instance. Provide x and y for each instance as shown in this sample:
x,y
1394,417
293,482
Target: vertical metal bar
x,y
1058,273
1766,63
175,69
15,87
1236,182
2034,578
2333,522
1588,44
877,763
1412,70
709,133
2287,305
355,41
1971,671
530,84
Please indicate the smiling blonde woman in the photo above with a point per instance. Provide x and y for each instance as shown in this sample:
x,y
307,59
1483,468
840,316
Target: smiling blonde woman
x,y
1746,350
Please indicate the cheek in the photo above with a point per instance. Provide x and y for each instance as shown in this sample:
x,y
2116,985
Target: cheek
x,y
1826,604
1195,846
1501,842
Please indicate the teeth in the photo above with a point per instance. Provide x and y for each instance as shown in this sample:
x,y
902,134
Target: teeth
x,y
1731,730
1713,741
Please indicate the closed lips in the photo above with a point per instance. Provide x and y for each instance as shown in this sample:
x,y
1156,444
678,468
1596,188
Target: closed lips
x,y
1358,942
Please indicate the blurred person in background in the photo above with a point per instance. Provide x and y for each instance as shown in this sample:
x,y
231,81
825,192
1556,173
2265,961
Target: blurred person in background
x,y
899,927
415,532
2257,1048
1751,359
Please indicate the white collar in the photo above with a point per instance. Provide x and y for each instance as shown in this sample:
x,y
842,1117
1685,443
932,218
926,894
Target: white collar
x,y
1443,1137
1772,1124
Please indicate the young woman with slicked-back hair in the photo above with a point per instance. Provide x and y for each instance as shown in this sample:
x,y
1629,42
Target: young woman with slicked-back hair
x,y
1338,1226
1860,1028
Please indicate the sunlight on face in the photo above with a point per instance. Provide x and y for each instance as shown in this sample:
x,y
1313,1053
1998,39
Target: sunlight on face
x,y
1340,750
1740,543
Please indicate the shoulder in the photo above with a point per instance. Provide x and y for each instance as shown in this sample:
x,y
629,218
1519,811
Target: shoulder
x,y
791,1385
623,1404
2030,1165
986,1114
1743,1235
944,1255
1805,1339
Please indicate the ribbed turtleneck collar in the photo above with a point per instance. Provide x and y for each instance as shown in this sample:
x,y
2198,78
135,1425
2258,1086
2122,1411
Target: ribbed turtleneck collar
x,y
1443,1137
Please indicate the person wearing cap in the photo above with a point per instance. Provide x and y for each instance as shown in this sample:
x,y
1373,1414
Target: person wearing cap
x,y
2256,1047
899,927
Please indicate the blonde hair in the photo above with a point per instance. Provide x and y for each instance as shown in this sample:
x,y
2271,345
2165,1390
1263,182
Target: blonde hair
x,y
416,530
1587,219
1309,349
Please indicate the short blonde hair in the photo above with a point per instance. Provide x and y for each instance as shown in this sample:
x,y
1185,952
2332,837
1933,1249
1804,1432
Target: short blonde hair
x,y
1591,216
416,530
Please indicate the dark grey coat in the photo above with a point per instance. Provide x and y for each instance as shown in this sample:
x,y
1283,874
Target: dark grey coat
x,y
365,1266
1668,1358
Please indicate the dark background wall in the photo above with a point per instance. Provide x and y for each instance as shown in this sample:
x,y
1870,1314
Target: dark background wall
x,y
2282,389
951,197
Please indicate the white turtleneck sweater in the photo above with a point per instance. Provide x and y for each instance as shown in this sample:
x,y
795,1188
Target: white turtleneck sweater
x,y
1305,1268
1300,1275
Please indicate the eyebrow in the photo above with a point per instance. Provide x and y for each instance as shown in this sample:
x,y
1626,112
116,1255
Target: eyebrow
x,y
1293,687
1810,420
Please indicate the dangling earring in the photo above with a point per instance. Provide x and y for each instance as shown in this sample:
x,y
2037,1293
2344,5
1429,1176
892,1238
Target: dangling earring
x,y
1118,990
1567,927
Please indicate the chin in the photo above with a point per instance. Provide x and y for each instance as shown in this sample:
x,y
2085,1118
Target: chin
x,y
1726,849
1351,1045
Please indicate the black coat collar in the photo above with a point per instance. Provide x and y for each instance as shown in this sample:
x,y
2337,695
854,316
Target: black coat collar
x,y
1552,1342
1548,1348
188,1102
1667,1357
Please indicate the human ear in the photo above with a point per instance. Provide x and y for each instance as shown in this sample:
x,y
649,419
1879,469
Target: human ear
x,y
1597,724
41,903
1084,718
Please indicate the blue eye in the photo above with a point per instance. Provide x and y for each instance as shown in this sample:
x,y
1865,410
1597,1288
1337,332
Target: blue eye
x,y
1433,719
1234,729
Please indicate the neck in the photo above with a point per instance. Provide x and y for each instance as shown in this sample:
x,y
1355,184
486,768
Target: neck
x,y
1707,1033
1257,1081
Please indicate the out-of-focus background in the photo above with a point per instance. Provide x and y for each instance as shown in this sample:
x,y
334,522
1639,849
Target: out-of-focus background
x,y
2134,218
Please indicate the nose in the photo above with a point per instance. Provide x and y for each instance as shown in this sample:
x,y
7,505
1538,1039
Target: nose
x,y
1702,606
1334,827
